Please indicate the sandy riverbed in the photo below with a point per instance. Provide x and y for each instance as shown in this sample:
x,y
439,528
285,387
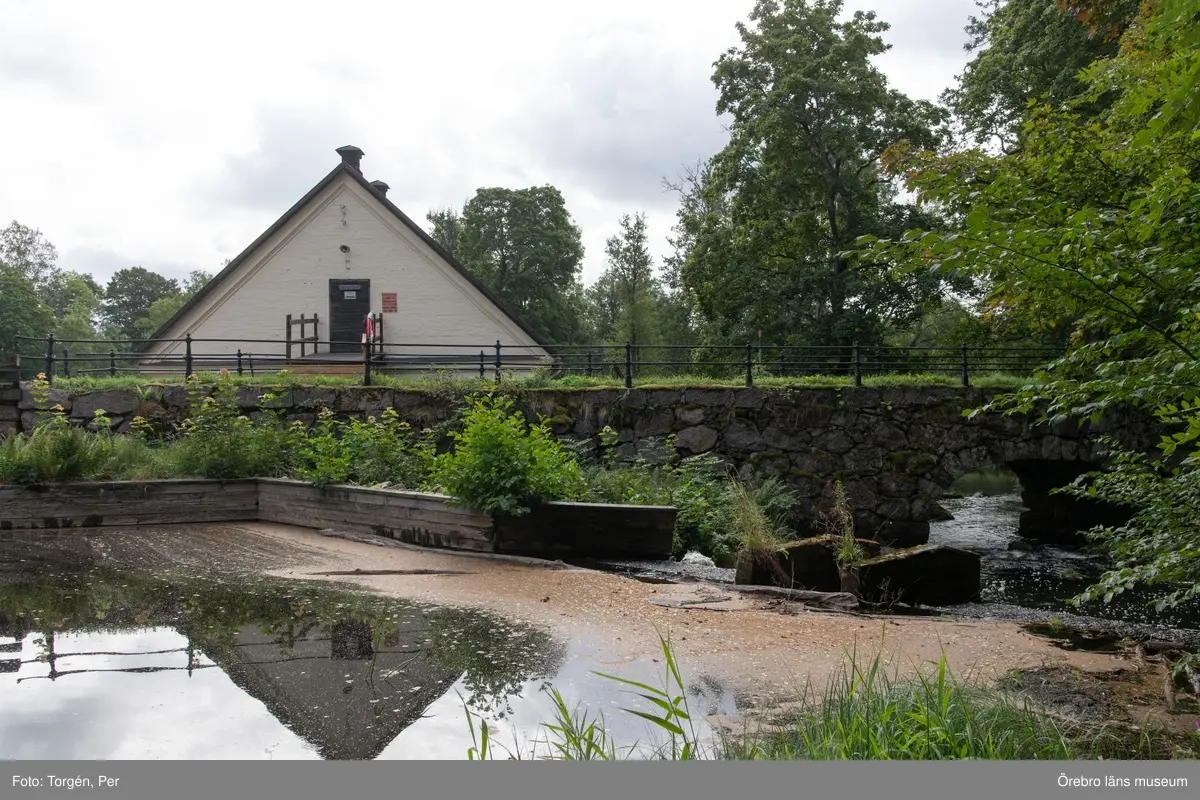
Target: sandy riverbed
x,y
758,646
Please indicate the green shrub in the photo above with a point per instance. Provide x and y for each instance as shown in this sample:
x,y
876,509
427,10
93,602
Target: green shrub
x,y
54,451
219,441
502,465
364,452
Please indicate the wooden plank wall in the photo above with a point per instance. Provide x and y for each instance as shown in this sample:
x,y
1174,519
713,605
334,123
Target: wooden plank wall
x,y
589,530
410,517
553,530
87,505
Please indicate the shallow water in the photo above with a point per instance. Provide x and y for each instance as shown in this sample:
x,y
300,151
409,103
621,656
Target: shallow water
x,y
1039,583
1024,585
111,664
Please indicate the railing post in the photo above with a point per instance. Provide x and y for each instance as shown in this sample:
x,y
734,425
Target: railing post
x,y
749,365
628,365
782,366
965,380
187,355
239,361
857,365
288,346
366,361
482,365
497,361
66,363
49,358
589,363
112,362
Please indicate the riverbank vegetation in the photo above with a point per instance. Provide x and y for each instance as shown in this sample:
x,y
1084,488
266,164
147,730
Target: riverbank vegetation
x,y
864,712
487,456
1088,222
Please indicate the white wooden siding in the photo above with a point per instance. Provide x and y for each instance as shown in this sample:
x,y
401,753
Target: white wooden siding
x,y
290,274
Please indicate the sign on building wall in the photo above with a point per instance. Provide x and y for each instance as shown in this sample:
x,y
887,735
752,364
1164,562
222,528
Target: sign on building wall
x,y
389,302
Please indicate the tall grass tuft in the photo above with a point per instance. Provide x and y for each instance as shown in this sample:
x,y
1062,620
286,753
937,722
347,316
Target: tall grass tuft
x,y
756,528
867,714
864,713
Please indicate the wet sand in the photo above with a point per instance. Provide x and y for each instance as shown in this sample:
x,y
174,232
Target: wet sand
x,y
761,648
758,646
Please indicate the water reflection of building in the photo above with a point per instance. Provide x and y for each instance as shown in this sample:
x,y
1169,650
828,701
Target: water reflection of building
x,y
344,692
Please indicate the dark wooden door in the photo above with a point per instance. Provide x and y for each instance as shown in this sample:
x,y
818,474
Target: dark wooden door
x,y
349,304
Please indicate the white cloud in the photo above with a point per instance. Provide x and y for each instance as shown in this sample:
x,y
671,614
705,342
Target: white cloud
x,y
170,135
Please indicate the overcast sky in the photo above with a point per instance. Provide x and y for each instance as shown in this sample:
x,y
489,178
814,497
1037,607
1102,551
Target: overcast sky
x,y
171,135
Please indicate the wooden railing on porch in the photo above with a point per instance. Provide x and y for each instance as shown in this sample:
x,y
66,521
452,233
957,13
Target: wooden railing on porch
x,y
303,340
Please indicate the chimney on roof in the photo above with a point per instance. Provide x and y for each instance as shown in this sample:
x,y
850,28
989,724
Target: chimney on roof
x,y
351,156
381,186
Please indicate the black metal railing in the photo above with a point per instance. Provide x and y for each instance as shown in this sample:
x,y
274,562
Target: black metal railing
x,y
625,362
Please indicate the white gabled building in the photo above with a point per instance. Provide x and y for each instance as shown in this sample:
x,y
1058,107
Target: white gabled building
x,y
341,253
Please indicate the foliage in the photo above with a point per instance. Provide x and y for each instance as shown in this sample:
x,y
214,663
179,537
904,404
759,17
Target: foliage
x,y
866,714
219,441
839,522
1026,51
709,519
799,181
524,245
364,452
27,251
129,296
1096,220
625,298
863,714
162,309
22,312
54,451
502,465
446,228
756,528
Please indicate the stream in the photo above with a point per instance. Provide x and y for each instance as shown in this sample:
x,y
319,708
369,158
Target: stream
x,y
1023,585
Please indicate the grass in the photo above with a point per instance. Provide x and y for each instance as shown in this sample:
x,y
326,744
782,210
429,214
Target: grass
x,y
427,382
864,713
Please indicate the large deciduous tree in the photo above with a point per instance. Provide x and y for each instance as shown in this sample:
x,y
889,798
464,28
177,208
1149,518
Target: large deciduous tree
x,y
22,312
28,252
524,245
446,230
1098,219
1031,50
129,295
799,182
162,309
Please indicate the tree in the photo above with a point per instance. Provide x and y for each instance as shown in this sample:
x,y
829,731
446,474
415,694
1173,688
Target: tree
x,y
625,299
27,251
799,181
67,292
523,244
22,312
447,228
681,320
1101,216
1030,50
162,309
130,294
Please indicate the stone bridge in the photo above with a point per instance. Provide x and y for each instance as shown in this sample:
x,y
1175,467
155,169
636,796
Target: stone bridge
x,y
896,450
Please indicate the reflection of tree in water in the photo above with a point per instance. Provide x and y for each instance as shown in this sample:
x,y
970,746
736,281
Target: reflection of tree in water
x,y
498,657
